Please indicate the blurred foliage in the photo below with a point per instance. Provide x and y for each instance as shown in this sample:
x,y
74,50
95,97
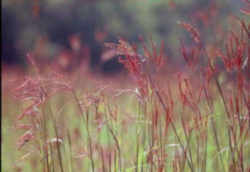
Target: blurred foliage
x,y
25,22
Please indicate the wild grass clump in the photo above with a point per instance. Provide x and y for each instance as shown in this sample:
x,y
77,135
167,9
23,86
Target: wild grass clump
x,y
197,119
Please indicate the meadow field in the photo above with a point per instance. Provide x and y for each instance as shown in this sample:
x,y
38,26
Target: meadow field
x,y
153,116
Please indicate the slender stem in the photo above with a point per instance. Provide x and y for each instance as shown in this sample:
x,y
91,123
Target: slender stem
x,y
87,128
171,122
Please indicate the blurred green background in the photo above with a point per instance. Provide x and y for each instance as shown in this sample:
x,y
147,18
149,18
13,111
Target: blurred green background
x,y
47,26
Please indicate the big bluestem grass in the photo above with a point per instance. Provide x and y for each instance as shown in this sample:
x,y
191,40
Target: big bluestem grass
x,y
197,120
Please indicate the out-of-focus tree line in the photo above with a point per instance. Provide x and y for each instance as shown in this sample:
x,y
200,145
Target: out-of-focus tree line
x,y
78,29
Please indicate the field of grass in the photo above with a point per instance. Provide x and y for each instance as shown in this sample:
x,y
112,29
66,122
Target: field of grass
x,y
193,119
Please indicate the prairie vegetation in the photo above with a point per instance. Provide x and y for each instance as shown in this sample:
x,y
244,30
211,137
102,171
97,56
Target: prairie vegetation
x,y
155,117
